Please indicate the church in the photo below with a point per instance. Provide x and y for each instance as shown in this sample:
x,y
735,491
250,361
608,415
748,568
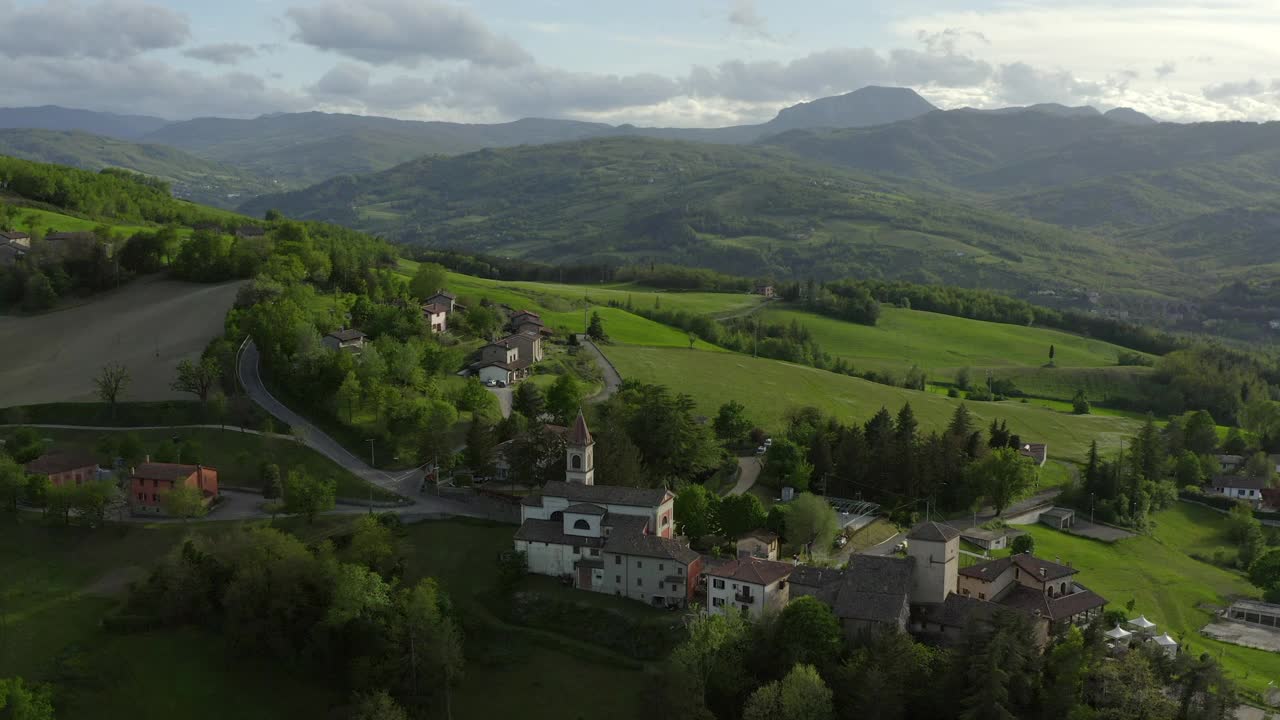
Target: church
x,y
606,538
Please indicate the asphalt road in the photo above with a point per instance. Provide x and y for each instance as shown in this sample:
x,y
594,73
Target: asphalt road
x,y
612,380
504,399
748,472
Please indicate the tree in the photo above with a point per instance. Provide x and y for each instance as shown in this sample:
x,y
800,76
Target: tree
x,y
1265,573
962,378
785,465
739,514
1235,444
184,501
482,321
696,511
1003,475
377,706
36,492
372,545
1188,470
428,280
528,401
38,293
433,643
1024,543
1064,674
1201,433
801,695
564,398
199,379
732,424
1260,466
308,496
349,394
480,455
1052,352
111,382
272,485
595,329
13,483
618,458
25,702
1080,404
812,521
808,632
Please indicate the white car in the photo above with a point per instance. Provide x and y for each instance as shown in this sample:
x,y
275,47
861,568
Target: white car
x,y
761,450
768,442
491,383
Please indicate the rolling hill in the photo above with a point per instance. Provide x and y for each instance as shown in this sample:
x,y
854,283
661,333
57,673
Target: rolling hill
x,y
52,117
191,178
743,210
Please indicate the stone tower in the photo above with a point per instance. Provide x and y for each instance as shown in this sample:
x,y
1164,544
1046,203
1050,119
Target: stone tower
x,y
581,463
936,550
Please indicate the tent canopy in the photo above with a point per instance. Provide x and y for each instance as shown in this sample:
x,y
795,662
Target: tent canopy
x,y
1142,622
1118,633
1166,641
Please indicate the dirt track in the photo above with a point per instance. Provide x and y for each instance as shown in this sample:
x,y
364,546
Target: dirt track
x,y
148,326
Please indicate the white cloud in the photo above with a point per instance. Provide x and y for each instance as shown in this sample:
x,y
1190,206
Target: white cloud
x,y
743,14
1228,90
108,30
221,53
403,32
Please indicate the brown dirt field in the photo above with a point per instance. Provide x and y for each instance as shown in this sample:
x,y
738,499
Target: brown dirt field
x,y
148,326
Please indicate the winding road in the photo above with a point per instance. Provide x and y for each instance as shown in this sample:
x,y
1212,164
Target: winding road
x,y
612,380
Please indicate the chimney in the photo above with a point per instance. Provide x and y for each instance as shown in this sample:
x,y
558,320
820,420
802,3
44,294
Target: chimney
x,y
1041,572
146,458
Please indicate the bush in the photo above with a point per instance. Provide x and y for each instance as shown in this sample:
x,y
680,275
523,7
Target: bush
x,y
633,637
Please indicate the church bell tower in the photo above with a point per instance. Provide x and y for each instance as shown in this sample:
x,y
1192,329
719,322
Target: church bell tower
x,y
581,463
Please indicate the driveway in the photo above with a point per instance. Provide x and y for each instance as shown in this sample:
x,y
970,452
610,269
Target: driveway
x,y
504,399
612,380
748,472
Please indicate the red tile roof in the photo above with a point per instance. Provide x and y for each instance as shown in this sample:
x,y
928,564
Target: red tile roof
x,y
163,471
580,435
753,570
60,462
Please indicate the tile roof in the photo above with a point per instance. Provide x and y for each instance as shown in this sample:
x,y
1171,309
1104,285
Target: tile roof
x,y
347,335
933,532
872,587
552,531
753,570
585,509
14,235
815,577
1242,483
1058,512
580,435
445,293
653,546
435,308
163,471
60,462
1027,562
959,611
1062,607
606,494
760,534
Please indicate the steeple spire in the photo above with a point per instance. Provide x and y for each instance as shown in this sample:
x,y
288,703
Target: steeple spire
x,y
580,447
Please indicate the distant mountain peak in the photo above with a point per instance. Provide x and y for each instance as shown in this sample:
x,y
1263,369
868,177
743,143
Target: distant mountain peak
x,y
871,105
1129,116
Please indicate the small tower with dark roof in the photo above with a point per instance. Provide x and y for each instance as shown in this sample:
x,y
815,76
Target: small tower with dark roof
x,y
935,547
580,446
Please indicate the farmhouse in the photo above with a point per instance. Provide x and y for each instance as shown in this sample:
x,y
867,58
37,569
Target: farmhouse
x,y
447,300
437,317
348,339
758,544
508,360
527,322
15,238
1044,590
65,468
606,538
12,250
1038,452
1230,463
1244,489
149,482
748,585
763,290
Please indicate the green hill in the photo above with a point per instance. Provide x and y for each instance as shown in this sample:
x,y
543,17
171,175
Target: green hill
x,y
190,177
745,211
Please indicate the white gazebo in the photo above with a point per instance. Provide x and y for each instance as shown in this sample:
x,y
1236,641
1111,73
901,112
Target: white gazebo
x,y
1142,623
1118,633
1167,644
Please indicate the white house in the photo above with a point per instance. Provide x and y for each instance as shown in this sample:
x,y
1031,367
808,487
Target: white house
x,y
748,585
437,317
1245,489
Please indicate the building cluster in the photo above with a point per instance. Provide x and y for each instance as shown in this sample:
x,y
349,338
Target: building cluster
x,y
1236,484
509,360
147,483
14,246
435,314
621,541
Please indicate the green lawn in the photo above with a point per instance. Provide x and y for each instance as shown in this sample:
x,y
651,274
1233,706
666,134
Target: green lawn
x,y
237,456
1166,583
769,388
624,327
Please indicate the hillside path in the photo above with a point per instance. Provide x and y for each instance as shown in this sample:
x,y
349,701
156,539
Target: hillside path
x,y
612,379
748,472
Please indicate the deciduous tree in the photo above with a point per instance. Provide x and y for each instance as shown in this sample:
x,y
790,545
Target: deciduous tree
x,y
184,502
696,511
198,378
811,520
740,514
111,382
308,496
1004,475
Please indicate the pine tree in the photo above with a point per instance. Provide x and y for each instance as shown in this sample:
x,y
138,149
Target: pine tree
x,y
820,459
480,449
905,448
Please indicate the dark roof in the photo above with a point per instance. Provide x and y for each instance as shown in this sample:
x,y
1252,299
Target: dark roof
x,y
435,308
877,573
522,337
959,611
877,607
760,534
552,531
14,235
518,364
1244,483
1039,452
872,587
163,471
606,494
1033,601
77,235
580,435
526,313
1059,512
445,293
60,462
933,532
753,570
654,546
1027,562
1230,459
585,509
534,500
815,577
347,335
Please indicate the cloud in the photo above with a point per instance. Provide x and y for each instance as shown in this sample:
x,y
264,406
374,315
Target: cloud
x,y
1021,84
1229,90
143,86
221,53
404,32
1166,69
109,30
743,14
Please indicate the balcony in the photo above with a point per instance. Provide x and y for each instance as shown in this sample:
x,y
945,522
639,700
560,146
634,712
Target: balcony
x,y
744,598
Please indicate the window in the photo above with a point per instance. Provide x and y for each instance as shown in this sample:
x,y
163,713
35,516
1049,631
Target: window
x,y
639,582
680,570
575,550
581,524
964,592
666,520
595,552
577,462
1063,589
661,567
639,564
617,559
717,584
982,596
140,497
617,579
717,602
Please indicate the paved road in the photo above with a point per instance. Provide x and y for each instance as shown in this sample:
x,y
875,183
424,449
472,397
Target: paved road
x,y
967,520
126,428
406,483
748,472
504,399
612,380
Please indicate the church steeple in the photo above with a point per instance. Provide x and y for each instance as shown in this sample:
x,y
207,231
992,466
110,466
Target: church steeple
x,y
580,447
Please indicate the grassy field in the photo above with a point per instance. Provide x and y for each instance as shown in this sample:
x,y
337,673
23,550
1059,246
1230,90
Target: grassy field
x,y
1166,583
60,582
148,326
237,456
769,388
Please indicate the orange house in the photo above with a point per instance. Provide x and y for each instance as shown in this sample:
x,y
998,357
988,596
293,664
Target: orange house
x,y
65,468
149,482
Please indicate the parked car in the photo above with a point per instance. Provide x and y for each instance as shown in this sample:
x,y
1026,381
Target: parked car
x,y
768,442
491,383
761,450
841,541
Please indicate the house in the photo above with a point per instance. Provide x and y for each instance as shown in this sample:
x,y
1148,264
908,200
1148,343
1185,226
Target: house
x,y
1244,489
764,290
1254,612
872,593
759,544
748,585
348,339
605,538
250,231
15,238
1058,518
501,362
437,317
149,482
1230,463
1038,452
445,299
529,344
10,254
947,623
1041,589
1270,498
527,322
997,539
65,468
207,226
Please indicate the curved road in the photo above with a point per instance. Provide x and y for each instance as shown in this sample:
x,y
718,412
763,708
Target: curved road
x,y
612,380
748,472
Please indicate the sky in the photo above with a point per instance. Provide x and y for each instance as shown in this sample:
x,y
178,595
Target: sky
x,y
687,63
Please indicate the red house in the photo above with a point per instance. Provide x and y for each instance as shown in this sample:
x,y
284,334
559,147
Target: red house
x,y
149,482
65,468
